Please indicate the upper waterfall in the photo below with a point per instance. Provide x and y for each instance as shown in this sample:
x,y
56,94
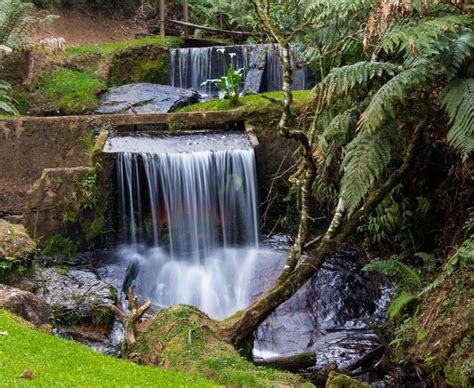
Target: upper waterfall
x,y
191,67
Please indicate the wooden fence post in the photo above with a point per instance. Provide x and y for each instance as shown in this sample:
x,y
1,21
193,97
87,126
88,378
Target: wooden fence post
x,y
162,18
186,17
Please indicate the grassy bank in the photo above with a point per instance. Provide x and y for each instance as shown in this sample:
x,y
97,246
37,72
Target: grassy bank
x,y
55,362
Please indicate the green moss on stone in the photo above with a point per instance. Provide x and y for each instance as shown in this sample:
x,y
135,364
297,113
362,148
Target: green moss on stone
x,y
70,91
110,48
338,380
148,63
183,338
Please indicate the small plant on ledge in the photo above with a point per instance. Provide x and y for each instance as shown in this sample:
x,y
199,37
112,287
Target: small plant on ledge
x,y
229,83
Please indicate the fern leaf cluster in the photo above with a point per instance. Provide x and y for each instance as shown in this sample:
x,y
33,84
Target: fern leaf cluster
x,y
393,94
458,101
399,303
416,35
367,156
6,102
342,80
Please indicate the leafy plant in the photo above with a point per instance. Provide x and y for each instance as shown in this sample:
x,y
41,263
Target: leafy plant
x,y
88,191
7,103
61,245
18,20
229,83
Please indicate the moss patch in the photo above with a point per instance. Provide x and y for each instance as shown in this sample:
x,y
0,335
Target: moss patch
x,y
437,340
338,380
148,63
260,112
253,103
70,91
109,48
183,338
55,362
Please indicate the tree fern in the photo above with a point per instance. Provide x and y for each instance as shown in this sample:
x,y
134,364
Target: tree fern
x,y
343,79
415,35
458,101
391,95
367,157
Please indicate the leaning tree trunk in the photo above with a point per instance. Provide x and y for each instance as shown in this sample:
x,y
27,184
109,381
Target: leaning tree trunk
x,y
240,328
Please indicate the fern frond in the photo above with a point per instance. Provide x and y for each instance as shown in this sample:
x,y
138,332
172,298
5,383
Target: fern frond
x,y
463,257
413,36
6,102
393,94
396,268
455,52
458,102
399,303
366,158
336,133
342,80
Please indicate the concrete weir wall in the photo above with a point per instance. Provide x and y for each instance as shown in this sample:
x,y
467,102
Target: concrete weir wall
x,y
40,157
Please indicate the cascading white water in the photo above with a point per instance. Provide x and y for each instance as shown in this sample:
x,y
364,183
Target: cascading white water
x,y
191,67
275,73
189,220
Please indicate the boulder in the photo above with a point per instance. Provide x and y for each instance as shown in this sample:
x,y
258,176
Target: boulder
x,y
24,304
338,380
146,98
74,296
15,241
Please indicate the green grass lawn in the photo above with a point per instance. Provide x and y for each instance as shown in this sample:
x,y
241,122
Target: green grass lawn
x,y
59,363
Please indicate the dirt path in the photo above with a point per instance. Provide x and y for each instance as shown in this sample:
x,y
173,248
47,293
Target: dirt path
x,y
79,27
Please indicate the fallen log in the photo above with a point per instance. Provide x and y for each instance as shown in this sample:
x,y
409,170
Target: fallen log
x,y
291,363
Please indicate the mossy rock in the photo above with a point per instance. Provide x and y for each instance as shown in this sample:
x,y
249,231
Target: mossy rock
x,y
459,369
338,380
16,249
15,241
185,339
148,63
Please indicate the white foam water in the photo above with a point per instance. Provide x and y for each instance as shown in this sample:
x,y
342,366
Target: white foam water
x,y
189,222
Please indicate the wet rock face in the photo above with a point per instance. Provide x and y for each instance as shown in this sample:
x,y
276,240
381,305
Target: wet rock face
x,y
15,241
329,315
146,98
72,296
24,304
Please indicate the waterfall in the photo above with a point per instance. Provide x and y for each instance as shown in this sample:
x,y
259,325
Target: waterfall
x,y
275,72
190,67
189,223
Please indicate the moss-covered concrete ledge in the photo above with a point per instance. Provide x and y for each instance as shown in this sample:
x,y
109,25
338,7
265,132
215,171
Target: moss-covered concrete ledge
x,y
28,145
17,125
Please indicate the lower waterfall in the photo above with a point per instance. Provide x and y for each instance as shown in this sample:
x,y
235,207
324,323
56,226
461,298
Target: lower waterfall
x,y
189,225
